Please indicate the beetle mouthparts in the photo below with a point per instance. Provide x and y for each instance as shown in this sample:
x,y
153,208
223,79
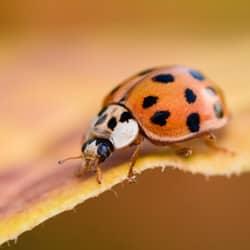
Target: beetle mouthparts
x,y
91,164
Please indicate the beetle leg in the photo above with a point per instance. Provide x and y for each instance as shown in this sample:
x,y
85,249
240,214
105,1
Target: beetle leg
x,y
182,151
131,175
99,175
210,140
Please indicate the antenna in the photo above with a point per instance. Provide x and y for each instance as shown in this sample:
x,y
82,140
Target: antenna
x,y
69,158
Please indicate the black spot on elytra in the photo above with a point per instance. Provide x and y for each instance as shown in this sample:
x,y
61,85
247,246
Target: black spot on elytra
x,y
101,120
163,78
190,96
211,91
193,122
149,101
125,116
196,74
218,110
160,118
144,72
112,123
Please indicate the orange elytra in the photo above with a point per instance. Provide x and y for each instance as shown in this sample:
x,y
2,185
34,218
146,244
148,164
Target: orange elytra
x,y
167,105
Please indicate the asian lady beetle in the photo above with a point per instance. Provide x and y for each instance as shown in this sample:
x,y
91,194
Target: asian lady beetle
x,y
167,105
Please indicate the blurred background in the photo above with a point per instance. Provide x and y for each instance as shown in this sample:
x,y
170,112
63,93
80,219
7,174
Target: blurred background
x,y
58,59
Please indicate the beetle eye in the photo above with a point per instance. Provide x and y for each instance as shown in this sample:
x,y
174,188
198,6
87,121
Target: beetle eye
x,y
104,148
103,151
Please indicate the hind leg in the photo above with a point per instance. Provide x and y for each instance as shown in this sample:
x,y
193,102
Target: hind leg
x,y
210,140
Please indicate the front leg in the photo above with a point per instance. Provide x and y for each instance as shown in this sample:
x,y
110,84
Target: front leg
x,y
89,166
98,175
131,175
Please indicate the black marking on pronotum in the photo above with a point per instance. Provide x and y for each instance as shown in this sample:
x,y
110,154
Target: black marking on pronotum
x,y
125,116
211,91
102,111
193,122
160,118
112,123
144,72
163,78
196,74
190,96
101,120
218,110
149,101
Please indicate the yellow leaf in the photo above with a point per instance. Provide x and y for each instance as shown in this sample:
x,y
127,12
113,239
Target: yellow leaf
x,y
40,193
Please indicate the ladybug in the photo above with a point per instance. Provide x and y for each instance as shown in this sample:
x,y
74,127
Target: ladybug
x,y
165,105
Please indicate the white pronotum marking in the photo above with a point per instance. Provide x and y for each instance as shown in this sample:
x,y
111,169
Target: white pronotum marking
x,y
124,133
